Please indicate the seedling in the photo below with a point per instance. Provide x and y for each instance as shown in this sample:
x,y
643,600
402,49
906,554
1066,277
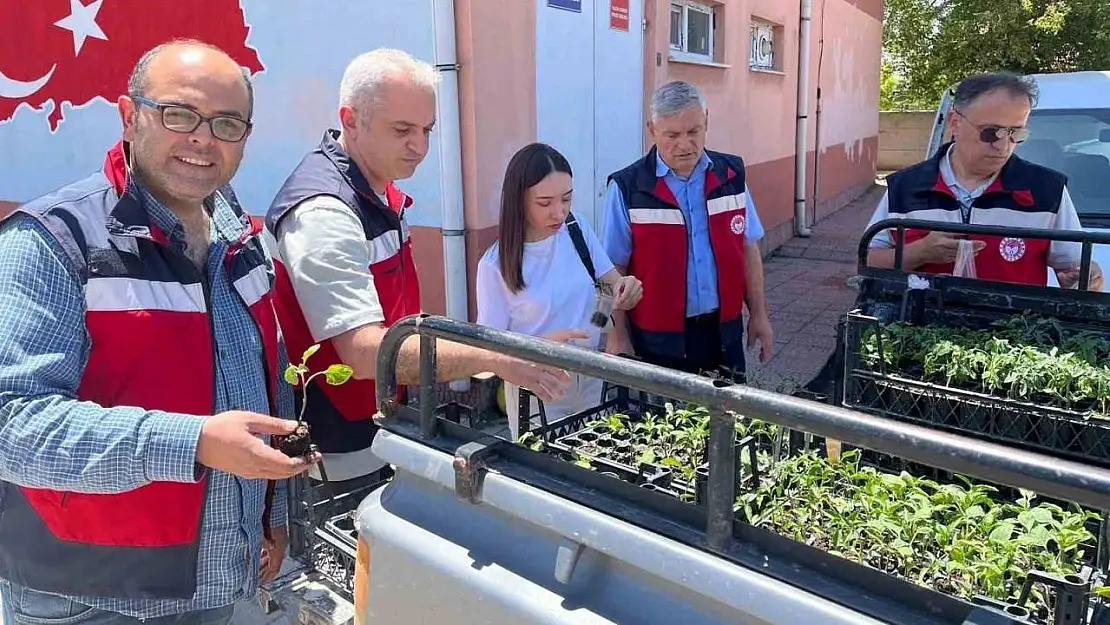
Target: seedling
x,y
299,443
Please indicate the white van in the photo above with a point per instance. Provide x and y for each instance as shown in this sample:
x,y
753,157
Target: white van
x,y
1069,132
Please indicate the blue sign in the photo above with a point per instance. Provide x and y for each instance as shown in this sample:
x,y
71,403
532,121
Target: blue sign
x,y
568,5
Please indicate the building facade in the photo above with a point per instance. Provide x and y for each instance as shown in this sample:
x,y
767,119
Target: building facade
x,y
574,73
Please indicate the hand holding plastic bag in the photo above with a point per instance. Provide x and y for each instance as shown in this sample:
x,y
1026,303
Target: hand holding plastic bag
x,y
965,259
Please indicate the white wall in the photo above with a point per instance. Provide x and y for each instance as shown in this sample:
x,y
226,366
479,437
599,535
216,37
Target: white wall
x,y
589,94
304,46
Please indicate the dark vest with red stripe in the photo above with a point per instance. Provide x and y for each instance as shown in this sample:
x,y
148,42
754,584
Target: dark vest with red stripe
x,y
659,252
340,416
152,347
1023,194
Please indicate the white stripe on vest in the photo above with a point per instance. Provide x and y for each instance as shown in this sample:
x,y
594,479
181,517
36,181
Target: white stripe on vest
x,y
727,203
132,294
253,286
384,246
667,216
986,216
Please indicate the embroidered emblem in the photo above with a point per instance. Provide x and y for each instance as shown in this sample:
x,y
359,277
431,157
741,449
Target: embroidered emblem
x,y
738,224
1012,249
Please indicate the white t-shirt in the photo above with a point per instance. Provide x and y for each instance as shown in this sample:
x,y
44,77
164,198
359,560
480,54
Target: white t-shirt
x,y
557,295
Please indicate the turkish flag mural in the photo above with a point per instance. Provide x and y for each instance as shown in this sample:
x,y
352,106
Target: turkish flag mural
x,y
74,51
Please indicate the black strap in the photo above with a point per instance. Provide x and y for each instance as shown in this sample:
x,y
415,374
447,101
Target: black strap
x,y
580,245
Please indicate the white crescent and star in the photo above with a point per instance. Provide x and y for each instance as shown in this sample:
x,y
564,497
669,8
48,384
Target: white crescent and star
x,y
82,23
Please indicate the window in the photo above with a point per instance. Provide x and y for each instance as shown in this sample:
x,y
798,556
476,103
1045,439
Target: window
x,y
1075,142
764,48
692,26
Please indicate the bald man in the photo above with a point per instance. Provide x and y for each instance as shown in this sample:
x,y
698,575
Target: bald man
x,y
140,370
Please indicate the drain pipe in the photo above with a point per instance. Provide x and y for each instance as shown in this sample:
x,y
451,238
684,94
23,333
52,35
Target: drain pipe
x,y
801,136
450,173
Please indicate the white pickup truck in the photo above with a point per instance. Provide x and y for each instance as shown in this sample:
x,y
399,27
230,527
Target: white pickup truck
x,y
477,529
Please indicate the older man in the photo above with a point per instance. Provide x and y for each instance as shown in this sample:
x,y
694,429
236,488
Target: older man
x,y
340,213
977,179
681,220
134,306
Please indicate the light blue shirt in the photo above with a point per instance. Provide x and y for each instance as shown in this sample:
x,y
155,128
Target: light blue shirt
x,y
701,267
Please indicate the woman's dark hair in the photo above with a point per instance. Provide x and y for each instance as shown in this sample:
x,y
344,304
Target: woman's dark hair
x,y
526,169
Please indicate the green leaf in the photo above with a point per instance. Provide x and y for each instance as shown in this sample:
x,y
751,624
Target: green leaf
x,y
1002,533
1102,591
291,375
309,352
338,374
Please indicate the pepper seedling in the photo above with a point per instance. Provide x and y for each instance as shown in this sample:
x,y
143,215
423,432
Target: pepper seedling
x,y
299,442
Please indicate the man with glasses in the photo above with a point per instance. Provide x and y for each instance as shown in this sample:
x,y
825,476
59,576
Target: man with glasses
x,y
977,179
140,364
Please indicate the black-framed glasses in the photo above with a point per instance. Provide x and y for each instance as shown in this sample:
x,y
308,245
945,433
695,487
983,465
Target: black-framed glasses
x,y
990,133
185,120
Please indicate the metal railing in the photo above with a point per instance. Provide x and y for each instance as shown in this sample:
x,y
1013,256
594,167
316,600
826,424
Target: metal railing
x,y
1066,480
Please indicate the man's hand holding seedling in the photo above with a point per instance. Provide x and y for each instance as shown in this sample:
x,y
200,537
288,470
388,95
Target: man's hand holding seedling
x,y
230,442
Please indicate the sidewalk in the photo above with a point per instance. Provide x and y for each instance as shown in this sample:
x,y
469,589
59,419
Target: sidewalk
x,y
807,293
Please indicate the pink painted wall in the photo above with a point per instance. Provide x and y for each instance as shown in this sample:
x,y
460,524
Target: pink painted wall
x,y
752,113
497,86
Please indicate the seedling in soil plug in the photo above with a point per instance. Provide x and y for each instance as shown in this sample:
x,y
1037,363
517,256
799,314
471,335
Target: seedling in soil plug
x,y
299,443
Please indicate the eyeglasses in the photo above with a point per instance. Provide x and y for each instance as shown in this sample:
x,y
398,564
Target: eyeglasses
x,y
185,120
990,133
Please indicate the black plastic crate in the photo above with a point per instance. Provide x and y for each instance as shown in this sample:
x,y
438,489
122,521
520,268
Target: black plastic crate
x,y
616,400
873,389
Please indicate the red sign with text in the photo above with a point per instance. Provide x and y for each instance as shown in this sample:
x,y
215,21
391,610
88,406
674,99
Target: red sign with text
x,y
618,14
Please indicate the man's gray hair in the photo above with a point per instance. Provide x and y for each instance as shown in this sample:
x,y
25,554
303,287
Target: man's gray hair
x,y
675,97
368,71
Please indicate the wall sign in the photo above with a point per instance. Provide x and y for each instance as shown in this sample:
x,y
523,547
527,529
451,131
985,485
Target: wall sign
x,y
567,5
618,15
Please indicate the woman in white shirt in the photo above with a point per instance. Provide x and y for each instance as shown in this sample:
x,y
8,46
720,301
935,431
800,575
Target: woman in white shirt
x,y
534,281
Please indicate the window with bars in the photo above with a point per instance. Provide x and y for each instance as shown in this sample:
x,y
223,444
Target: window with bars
x,y
763,49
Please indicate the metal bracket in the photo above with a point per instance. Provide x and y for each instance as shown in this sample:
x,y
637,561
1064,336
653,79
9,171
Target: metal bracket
x,y
469,464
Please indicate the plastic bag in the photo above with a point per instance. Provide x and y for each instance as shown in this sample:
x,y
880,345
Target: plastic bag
x,y
965,259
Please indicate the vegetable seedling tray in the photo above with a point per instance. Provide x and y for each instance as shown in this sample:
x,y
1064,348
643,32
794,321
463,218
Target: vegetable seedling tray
x,y
896,394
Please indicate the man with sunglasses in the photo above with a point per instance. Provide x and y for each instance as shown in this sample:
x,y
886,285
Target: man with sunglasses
x,y
140,364
977,179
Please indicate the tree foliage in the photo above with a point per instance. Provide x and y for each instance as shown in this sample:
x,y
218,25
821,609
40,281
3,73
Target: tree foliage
x,y
930,44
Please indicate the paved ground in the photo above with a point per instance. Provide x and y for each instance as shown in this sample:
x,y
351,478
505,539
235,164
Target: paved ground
x,y
807,293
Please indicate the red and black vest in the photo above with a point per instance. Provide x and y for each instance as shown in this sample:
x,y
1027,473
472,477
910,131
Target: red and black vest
x,y
659,252
340,417
1023,195
151,346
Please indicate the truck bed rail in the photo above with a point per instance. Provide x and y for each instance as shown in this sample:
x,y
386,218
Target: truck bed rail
x,y
1062,479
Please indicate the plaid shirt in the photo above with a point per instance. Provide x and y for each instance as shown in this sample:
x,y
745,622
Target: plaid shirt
x,y
49,439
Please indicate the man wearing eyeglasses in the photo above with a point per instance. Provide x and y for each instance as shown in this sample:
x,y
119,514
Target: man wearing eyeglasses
x,y
977,179
140,364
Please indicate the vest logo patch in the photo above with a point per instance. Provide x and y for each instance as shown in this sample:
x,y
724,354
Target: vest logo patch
x,y
737,224
1012,249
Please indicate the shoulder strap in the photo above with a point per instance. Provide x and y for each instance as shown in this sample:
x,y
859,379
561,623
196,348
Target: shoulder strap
x,y
580,245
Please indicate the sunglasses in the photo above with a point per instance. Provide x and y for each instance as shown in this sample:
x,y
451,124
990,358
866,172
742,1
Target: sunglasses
x,y
177,118
990,133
